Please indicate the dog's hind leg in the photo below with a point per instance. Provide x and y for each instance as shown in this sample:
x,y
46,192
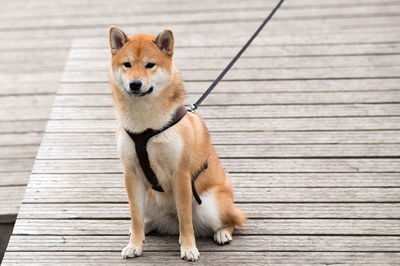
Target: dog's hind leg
x,y
148,226
224,235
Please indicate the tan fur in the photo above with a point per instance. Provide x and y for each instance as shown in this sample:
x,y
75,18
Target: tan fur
x,y
189,141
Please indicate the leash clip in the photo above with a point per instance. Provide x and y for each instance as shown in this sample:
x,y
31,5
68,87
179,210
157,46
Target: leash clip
x,y
192,108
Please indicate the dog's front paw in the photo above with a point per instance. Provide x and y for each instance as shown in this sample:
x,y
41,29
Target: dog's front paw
x,y
190,254
131,251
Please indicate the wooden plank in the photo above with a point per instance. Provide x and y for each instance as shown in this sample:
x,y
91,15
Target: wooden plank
x,y
223,151
33,101
28,138
16,78
242,22
239,111
14,178
252,210
275,54
265,137
26,107
248,99
346,25
231,165
29,89
60,46
308,42
37,56
256,195
301,4
104,6
240,180
253,86
206,258
228,25
16,165
244,14
24,113
363,227
26,151
31,126
241,124
257,74
286,28
243,243
15,67
10,199
184,64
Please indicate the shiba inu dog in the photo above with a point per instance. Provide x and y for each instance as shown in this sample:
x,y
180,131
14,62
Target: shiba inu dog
x,y
148,90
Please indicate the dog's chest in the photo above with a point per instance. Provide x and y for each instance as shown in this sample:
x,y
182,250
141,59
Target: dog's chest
x,y
164,152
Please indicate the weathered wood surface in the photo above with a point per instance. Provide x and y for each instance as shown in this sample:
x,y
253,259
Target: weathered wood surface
x,y
11,197
306,124
237,111
208,258
303,165
259,194
255,226
264,137
257,74
260,243
377,123
237,150
270,62
352,179
283,210
248,86
236,99
29,79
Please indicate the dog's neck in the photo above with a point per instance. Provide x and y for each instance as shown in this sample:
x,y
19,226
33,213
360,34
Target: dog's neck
x,y
137,114
141,116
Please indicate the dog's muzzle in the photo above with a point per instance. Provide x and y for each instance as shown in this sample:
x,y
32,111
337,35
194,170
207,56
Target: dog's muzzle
x,y
134,88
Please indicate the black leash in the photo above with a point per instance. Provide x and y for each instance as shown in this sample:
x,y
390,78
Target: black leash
x,y
194,106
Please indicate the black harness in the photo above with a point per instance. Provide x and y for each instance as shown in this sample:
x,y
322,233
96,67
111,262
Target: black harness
x,y
141,139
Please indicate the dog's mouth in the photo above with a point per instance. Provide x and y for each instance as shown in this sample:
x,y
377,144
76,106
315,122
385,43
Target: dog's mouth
x,y
141,94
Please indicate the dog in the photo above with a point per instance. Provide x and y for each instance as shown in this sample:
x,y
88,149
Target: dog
x,y
148,90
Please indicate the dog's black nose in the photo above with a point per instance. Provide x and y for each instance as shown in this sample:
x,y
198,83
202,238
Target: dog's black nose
x,y
135,84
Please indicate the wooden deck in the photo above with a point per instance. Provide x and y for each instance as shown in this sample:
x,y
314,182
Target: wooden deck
x,y
307,124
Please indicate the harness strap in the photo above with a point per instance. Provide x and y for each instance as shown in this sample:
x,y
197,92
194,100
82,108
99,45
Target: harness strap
x,y
194,177
141,139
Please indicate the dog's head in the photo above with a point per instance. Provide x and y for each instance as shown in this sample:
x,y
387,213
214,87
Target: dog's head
x,y
141,64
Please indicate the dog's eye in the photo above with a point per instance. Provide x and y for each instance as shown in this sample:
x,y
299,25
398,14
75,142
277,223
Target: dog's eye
x,y
150,65
127,64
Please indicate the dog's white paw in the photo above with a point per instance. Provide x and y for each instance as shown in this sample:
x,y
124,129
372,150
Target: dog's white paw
x,y
222,236
131,251
190,254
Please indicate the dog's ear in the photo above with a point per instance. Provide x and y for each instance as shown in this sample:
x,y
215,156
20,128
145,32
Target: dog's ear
x,y
165,41
117,39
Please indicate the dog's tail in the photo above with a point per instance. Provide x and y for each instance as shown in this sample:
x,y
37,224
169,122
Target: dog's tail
x,y
238,217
